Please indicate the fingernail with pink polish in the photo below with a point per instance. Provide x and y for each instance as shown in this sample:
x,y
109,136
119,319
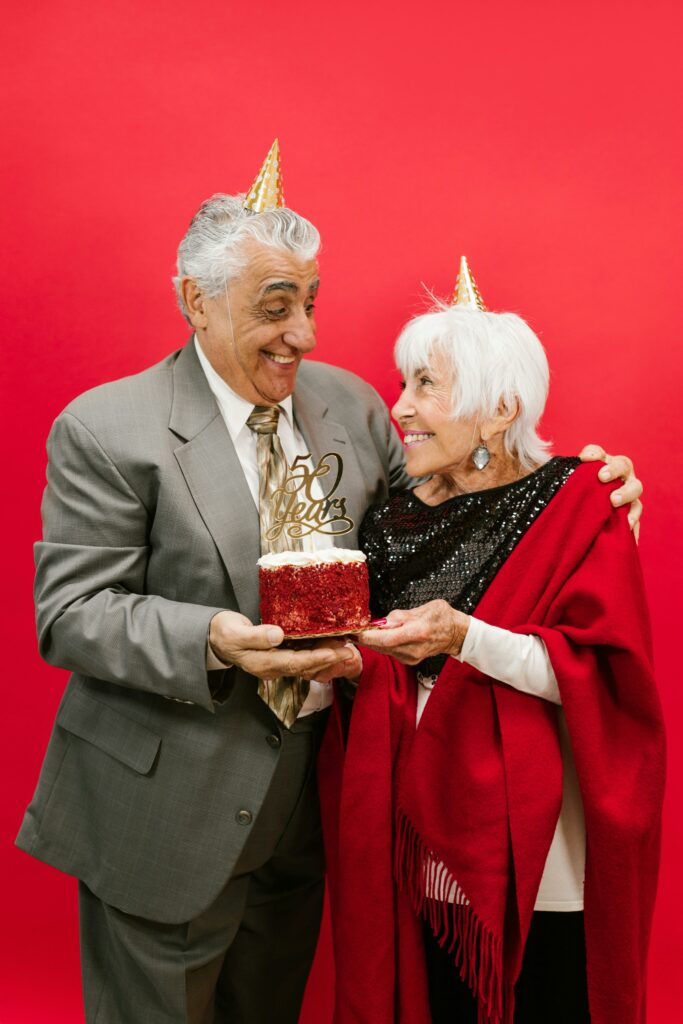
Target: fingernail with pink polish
x,y
379,622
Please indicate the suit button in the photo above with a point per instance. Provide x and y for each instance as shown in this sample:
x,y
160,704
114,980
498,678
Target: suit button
x,y
273,740
244,817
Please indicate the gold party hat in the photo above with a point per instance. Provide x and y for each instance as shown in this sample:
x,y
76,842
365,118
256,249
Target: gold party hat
x,y
466,292
266,192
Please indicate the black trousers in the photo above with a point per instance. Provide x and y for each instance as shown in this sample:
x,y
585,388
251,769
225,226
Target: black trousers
x,y
551,988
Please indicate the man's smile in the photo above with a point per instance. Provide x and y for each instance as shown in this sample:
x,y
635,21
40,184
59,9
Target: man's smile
x,y
277,358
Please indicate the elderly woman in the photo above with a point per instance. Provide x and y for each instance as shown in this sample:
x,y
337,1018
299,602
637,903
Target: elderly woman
x,y
499,861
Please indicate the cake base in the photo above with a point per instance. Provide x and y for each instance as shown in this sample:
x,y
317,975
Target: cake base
x,y
332,632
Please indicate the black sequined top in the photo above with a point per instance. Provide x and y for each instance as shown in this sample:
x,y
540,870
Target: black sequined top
x,y
418,553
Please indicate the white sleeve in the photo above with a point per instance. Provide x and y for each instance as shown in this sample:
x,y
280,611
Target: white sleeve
x,y
517,659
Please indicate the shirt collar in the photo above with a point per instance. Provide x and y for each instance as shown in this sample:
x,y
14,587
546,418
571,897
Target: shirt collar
x,y
235,409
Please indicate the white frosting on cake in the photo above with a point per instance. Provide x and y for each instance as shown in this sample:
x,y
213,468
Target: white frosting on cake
x,y
325,556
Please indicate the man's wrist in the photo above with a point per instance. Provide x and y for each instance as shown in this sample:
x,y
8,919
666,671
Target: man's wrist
x,y
214,662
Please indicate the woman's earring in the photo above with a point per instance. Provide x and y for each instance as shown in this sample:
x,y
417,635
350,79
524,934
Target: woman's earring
x,y
481,456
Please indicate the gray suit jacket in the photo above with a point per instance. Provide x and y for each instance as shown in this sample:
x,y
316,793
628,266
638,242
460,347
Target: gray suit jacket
x,y
149,530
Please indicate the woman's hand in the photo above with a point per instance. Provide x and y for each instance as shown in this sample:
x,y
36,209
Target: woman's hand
x,y
348,668
618,467
411,636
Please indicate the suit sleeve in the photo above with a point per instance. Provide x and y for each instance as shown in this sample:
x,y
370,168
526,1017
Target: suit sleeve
x,y
93,615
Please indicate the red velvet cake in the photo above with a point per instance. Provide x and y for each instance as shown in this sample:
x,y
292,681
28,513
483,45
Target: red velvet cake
x,y
311,592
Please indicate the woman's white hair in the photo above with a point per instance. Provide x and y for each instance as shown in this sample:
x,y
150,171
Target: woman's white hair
x,y
495,358
212,250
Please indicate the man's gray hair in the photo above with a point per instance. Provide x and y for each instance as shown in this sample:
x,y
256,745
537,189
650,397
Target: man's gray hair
x,y
212,250
494,358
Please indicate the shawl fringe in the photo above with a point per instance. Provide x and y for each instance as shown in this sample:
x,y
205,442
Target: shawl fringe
x,y
437,896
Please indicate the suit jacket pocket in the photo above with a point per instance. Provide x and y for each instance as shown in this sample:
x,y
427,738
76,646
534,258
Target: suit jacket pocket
x,y
120,737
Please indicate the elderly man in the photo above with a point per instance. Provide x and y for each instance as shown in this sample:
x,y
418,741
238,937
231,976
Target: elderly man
x,y
177,787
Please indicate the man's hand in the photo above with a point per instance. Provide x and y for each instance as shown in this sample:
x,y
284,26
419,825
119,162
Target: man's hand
x,y
618,467
411,636
234,639
350,668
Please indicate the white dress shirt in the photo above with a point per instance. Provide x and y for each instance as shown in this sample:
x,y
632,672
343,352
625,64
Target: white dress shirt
x,y
235,412
522,662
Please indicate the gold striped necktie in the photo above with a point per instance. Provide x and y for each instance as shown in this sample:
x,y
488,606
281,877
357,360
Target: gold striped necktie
x,y
286,694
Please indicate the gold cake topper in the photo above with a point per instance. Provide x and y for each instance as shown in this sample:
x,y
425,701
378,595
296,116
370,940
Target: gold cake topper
x,y
295,510
466,292
266,192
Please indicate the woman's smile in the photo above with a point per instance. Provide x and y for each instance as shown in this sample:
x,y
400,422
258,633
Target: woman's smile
x,y
411,438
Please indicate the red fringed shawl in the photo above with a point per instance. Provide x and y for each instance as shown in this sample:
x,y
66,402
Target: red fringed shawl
x,y
469,801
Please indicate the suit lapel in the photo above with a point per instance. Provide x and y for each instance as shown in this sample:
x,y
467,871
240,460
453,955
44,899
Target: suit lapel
x,y
322,435
214,476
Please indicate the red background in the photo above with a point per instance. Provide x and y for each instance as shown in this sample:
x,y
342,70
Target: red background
x,y
541,139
